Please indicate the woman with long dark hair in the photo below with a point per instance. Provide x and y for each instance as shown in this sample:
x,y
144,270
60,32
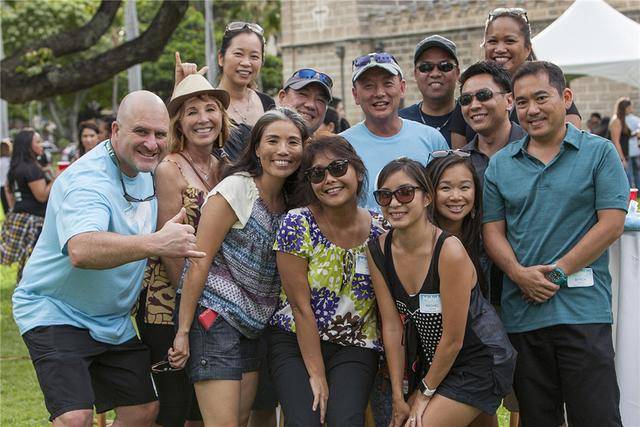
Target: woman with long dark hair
x,y
227,297
438,330
619,131
29,186
88,137
324,342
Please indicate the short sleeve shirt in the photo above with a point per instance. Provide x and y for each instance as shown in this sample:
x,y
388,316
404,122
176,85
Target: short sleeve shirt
x,y
342,296
547,209
25,200
86,197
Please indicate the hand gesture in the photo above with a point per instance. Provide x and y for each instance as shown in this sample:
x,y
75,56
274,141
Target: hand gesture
x,y
320,391
183,69
534,284
418,405
177,240
401,411
179,353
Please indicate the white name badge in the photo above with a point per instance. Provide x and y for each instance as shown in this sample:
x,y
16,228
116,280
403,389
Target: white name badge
x,y
430,304
362,266
581,279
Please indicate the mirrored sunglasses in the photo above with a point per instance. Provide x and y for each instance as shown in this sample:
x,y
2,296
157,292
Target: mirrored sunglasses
x,y
240,25
404,194
309,74
336,168
482,95
378,58
444,66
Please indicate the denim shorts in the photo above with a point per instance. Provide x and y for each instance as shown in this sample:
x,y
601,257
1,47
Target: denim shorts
x,y
221,353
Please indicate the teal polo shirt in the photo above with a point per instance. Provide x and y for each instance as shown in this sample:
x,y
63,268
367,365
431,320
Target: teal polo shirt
x,y
547,210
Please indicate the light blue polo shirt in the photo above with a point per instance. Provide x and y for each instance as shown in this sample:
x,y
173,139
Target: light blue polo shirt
x,y
547,210
86,197
415,141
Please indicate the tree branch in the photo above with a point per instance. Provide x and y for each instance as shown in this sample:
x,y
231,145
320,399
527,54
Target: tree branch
x,y
55,80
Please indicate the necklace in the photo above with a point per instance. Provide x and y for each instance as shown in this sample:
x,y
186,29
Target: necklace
x,y
425,123
205,173
243,117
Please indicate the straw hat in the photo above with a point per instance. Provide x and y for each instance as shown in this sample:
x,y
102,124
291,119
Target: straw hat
x,y
194,85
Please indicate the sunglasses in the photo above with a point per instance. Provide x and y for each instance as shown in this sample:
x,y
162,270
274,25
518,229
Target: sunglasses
x,y
311,74
444,66
439,154
337,168
163,366
482,95
509,11
129,198
403,194
240,25
377,58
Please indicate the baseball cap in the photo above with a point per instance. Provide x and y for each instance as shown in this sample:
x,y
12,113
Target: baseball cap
x,y
306,76
383,60
435,41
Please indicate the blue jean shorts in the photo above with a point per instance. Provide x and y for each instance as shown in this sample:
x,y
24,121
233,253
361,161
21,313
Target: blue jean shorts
x,y
221,353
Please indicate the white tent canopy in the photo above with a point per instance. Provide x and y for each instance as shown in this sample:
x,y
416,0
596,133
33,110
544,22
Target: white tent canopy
x,y
593,38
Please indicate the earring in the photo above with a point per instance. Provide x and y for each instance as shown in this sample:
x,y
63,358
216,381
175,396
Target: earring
x,y
473,214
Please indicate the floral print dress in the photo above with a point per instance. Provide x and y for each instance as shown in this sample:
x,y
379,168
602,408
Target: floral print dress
x,y
342,296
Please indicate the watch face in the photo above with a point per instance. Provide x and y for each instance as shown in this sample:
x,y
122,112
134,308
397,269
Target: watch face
x,y
554,276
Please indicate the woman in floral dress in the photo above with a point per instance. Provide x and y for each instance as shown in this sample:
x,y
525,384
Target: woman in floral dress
x,y
324,340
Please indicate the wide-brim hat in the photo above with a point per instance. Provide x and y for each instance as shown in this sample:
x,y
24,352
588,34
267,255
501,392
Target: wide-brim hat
x,y
194,85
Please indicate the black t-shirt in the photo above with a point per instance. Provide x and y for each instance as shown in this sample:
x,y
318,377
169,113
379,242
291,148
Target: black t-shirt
x,y
459,126
441,123
20,179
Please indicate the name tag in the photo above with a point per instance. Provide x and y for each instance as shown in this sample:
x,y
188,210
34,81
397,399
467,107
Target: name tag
x,y
362,266
581,279
430,304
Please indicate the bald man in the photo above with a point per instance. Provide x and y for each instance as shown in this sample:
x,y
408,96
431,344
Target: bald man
x,y
74,301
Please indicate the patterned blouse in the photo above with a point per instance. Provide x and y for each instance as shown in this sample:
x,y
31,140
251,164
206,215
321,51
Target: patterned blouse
x,y
161,295
342,295
243,284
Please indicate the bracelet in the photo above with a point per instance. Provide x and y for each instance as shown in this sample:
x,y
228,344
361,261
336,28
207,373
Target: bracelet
x,y
426,391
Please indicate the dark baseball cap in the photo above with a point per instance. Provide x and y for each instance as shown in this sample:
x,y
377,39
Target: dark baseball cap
x,y
435,41
306,76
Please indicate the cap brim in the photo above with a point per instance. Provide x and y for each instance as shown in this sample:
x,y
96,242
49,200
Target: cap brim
x,y
388,67
221,95
305,82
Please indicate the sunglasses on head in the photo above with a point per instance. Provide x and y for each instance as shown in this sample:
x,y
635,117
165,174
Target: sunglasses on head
x,y
403,194
444,66
482,95
310,73
508,11
240,25
438,154
336,168
378,58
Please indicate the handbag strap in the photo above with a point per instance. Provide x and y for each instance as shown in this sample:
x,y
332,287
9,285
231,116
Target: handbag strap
x,y
206,184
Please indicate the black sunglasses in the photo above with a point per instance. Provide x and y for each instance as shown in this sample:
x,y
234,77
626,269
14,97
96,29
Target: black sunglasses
x,y
129,198
444,66
240,25
163,366
336,168
403,194
310,73
438,154
482,95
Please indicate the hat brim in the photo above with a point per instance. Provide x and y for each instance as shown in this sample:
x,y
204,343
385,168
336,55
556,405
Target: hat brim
x,y
429,45
219,94
388,67
305,82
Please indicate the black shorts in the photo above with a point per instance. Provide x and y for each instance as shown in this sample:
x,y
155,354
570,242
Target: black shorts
x,y
77,372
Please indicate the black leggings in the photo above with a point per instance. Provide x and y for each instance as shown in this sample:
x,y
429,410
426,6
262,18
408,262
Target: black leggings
x,y
350,372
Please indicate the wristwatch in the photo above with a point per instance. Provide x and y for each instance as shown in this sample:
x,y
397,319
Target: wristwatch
x,y
426,391
557,276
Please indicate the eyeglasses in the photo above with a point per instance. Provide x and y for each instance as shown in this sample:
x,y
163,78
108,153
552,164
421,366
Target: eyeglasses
x,y
378,58
482,95
311,74
438,154
403,194
129,198
337,168
163,366
240,25
508,11
444,66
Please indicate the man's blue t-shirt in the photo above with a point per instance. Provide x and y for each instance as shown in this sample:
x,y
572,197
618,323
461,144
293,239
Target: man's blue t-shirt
x,y
547,209
87,197
415,141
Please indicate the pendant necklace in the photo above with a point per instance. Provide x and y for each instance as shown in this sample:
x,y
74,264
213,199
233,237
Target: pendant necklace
x,y
205,174
425,123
